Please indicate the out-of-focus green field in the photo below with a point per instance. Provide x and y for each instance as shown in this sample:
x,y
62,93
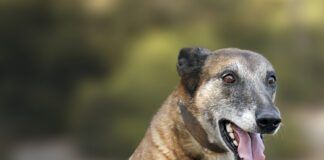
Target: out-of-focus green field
x,y
83,78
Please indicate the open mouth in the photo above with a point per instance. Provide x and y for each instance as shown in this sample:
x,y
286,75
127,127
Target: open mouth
x,y
244,145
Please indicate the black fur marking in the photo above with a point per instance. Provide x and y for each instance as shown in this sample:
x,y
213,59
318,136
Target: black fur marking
x,y
196,130
190,63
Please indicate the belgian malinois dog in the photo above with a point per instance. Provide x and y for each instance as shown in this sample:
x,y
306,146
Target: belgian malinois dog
x,y
222,106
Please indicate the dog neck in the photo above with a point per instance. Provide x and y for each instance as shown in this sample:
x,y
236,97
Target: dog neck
x,y
191,136
174,133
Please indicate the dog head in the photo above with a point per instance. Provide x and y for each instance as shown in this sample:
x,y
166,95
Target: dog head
x,y
232,95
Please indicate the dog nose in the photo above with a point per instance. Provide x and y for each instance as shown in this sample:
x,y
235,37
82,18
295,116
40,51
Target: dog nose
x,y
268,123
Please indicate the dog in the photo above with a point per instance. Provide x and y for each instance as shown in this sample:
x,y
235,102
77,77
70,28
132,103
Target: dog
x,y
222,106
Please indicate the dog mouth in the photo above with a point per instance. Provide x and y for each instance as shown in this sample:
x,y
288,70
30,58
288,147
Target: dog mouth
x,y
245,145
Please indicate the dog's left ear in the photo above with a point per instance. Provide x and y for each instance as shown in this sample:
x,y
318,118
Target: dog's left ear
x,y
190,63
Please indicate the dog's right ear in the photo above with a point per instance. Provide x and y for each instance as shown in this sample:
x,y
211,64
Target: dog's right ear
x,y
190,63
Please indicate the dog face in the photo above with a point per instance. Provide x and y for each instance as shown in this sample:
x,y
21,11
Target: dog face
x,y
233,93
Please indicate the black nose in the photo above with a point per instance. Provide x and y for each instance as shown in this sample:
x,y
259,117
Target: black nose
x,y
268,123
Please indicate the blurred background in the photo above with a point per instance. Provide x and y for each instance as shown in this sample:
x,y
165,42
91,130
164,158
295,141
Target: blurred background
x,y
81,79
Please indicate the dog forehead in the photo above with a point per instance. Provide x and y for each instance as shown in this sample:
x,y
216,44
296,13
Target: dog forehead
x,y
237,59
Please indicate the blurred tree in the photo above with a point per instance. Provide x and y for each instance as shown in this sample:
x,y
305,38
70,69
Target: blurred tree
x,y
44,55
102,68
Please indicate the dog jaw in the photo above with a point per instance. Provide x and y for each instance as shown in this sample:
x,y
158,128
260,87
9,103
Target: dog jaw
x,y
216,102
210,101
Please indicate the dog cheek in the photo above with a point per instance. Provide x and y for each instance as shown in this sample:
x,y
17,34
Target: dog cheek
x,y
208,94
210,119
226,92
212,128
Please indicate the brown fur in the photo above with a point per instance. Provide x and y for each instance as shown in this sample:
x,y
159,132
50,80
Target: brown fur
x,y
175,136
167,138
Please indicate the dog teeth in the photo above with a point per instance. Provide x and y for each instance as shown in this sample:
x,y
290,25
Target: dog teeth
x,y
232,135
235,143
229,128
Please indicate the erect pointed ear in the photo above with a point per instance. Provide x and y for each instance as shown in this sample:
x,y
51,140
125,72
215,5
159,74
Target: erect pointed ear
x,y
190,63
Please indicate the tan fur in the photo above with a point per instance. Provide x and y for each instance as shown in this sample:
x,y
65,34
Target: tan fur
x,y
168,136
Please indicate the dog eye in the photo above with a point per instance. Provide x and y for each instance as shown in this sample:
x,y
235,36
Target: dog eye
x,y
228,78
272,80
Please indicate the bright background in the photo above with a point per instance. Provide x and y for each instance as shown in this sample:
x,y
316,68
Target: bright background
x,y
81,79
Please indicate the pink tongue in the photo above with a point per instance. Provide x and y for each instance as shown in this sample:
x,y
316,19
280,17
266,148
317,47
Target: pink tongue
x,y
251,146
